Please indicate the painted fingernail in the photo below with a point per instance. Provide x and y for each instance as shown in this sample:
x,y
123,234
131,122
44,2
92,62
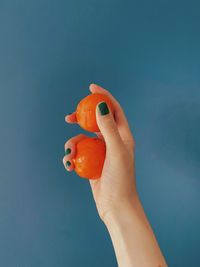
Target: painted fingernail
x,y
67,151
68,164
103,108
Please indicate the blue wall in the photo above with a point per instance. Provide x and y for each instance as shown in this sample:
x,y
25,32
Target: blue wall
x,y
147,54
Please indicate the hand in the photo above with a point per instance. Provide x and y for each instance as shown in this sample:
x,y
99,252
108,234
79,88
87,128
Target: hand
x,y
115,192
116,188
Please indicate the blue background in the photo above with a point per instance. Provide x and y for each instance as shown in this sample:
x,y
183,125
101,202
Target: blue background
x,y
147,53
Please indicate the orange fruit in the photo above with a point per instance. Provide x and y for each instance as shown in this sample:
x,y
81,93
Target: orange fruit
x,y
90,156
86,111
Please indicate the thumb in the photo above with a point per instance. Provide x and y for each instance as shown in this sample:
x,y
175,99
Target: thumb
x,y
108,126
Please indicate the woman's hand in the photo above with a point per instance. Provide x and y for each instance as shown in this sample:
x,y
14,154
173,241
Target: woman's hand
x,y
116,188
115,192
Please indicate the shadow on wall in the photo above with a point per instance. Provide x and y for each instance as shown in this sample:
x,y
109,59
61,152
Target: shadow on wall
x,y
177,137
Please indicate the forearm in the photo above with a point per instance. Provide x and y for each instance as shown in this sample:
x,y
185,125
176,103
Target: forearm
x,y
132,237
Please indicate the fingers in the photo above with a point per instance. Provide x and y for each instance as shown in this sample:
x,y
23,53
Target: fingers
x,y
107,126
120,118
70,151
71,118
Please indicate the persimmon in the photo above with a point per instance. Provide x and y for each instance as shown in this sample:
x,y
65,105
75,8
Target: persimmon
x,y
86,111
89,158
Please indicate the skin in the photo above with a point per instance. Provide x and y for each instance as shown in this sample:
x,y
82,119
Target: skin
x,y
115,193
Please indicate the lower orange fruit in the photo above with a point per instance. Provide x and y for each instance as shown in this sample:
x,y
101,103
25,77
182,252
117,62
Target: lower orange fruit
x,y
86,111
90,156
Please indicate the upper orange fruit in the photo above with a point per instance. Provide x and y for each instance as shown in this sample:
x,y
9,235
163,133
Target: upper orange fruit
x,y
86,111
90,156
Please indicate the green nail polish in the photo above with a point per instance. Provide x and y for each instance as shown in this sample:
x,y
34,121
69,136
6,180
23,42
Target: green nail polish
x,y
68,163
103,108
67,151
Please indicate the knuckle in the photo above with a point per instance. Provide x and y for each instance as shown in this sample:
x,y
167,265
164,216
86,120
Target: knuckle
x,y
111,130
66,144
73,139
109,124
130,142
64,160
107,119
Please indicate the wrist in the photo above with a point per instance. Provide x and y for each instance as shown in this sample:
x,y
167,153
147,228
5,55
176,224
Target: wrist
x,y
132,236
122,210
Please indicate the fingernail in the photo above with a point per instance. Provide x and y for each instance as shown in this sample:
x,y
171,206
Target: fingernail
x,y
103,108
67,151
68,163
